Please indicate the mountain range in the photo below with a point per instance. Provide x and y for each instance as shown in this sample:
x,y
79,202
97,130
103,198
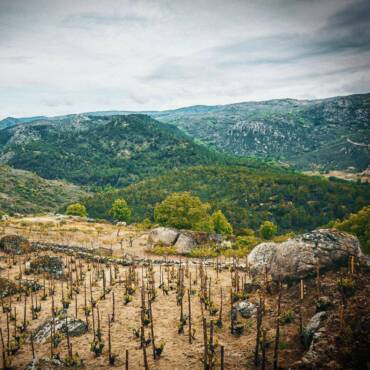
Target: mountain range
x,y
323,135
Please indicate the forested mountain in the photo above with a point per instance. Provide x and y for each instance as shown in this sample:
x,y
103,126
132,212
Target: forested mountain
x,y
24,192
93,150
321,134
247,196
318,134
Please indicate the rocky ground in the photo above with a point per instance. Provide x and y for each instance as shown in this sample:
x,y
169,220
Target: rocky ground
x,y
324,322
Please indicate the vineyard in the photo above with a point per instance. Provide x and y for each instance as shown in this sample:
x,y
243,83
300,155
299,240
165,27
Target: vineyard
x,y
134,310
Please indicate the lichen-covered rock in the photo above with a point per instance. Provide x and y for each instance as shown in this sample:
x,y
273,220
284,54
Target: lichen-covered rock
x,y
314,339
14,244
50,264
163,236
246,309
61,324
313,325
298,257
185,243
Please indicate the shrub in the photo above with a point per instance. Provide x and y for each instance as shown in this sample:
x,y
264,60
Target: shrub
x,y
120,211
76,209
268,230
220,223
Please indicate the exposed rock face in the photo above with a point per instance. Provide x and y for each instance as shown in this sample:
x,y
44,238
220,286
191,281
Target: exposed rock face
x,y
163,235
14,244
297,258
49,264
185,243
75,328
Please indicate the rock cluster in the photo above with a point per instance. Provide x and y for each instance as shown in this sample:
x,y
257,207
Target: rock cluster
x,y
298,258
183,240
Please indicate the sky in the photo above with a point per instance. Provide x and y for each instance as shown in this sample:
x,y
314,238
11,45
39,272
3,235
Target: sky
x,y
71,56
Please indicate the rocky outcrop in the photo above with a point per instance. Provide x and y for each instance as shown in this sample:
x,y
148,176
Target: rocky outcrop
x,y
163,235
184,240
298,257
245,309
314,339
14,244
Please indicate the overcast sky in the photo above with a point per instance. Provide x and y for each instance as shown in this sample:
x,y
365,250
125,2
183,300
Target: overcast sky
x,y
69,56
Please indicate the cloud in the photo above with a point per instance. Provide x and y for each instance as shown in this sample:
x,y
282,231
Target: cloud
x,y
76,55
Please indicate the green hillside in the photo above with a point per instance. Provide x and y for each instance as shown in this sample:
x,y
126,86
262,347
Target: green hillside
x,y
25,192
91,150
247,196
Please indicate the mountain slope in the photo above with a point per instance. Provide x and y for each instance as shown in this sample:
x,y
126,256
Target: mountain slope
x,y
24,192
329,134
114,150
248,196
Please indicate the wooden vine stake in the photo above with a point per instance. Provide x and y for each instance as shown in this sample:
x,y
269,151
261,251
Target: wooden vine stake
x,y
301,285
222,358
277,333
189,307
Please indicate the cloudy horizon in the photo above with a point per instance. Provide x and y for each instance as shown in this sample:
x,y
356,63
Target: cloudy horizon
x,y
60,57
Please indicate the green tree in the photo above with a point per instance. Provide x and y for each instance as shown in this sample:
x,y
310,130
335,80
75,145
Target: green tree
x,y
120,211
357,224
76,209
268,230
183,211
220,223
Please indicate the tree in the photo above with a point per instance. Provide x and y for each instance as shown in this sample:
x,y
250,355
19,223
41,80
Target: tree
x,y
76,209
268,230
120,211
220,223
357,224
183,211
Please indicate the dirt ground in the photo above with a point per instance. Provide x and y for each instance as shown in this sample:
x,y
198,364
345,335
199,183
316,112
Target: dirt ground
x,y
177,353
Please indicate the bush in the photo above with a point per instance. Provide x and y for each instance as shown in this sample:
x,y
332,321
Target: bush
x,y
268,230
120,211
164,251
76,209
203,252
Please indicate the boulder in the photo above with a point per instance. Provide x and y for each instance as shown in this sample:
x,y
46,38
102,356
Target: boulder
x,y
246,309
298,257
61,323
46,364
163,235
14,244
185,243
50,264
